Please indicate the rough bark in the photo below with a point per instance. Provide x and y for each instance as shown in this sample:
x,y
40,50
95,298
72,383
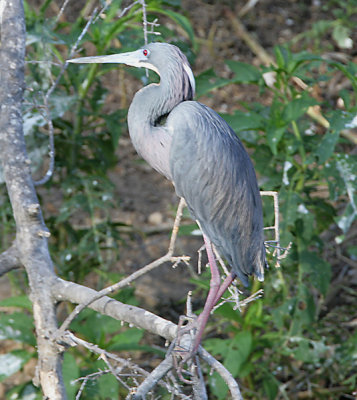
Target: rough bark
x,y
9,259
31,232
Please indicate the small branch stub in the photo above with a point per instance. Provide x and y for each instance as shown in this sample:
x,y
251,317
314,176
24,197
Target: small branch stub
x,y
33,209
44,234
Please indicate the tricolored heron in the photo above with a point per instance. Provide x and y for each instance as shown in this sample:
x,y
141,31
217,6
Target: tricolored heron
x,y
198,151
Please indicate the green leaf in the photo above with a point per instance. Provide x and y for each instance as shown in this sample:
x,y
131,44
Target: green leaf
x,y
218,386
283,313
281,57
308,219
244,73
108,387
240,349
226,311
12,362
341,119
179,19
347,167
298,107
327,145
304,312
244,121
317,269
24,392
114,127
274,135
60,103
352,251
70,373
271,387
289,208
349,72
95,326
126,339
208,81
306,350
345,220
17,301
190,229
341,35
217,346
17,326
253,316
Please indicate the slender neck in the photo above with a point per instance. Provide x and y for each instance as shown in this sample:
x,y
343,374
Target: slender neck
x,y
155,101
148,105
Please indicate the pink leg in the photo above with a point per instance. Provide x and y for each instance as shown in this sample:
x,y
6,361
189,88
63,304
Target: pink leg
x,y
215,292
225,285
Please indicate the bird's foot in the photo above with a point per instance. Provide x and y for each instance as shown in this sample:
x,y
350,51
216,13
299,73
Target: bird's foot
x,y
185,346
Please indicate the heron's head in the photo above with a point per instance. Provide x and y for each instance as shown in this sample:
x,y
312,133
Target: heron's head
x,y
159,57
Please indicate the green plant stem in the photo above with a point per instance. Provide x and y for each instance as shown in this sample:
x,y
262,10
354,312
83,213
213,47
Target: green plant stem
x,y
301,143
283,282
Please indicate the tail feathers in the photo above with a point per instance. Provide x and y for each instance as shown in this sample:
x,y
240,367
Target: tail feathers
x,y
257,269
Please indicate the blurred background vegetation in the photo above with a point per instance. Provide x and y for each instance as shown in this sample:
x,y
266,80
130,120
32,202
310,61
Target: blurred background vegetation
x,y
109,214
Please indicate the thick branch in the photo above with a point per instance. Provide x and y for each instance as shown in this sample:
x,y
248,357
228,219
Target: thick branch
x,y
135,275
69,291
9,260
31,231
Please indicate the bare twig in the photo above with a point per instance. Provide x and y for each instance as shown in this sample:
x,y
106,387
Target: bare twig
x,y
275,227
126,281
71,340
50,169
104,357
199,387
247,7
145,21
85,379
51,153
277,248
61,11
153,378
223,372
239,303
93,18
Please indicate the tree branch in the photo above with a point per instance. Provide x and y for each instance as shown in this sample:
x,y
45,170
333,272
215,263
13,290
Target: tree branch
x,y
31,230
69,291
135,275
9,260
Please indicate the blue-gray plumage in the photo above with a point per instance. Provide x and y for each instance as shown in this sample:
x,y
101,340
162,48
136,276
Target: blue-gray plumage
x,y
213,172
195,148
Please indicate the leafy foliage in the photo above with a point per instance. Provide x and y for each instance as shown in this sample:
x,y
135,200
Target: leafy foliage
x,y
296,160
274,346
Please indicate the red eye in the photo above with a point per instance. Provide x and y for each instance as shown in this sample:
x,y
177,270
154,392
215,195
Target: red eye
x,y
145,52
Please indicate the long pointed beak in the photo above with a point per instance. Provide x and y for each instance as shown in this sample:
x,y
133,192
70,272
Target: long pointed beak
x,y
133,58
123,58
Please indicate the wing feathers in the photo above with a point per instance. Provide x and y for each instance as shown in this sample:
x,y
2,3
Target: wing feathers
x,y
213,172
